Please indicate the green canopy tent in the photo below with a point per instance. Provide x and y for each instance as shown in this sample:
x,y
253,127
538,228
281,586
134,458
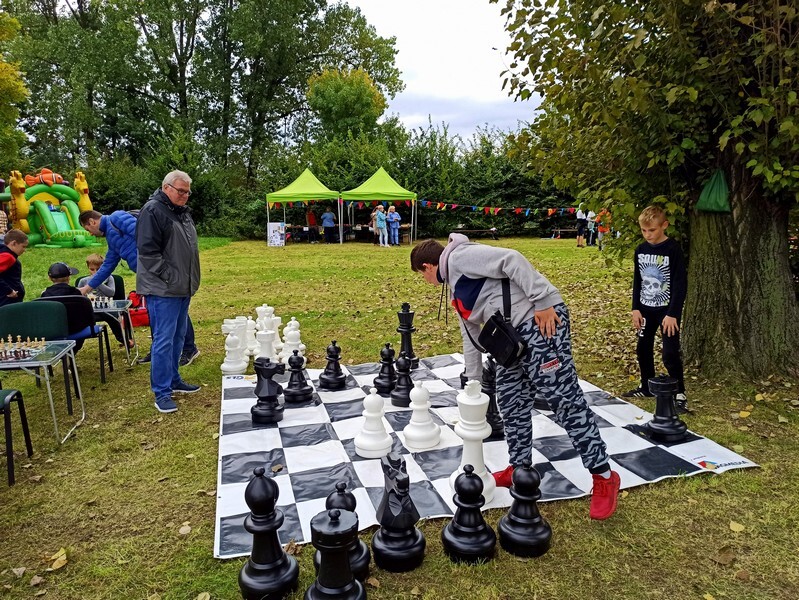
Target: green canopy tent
x,y
306,188
382,187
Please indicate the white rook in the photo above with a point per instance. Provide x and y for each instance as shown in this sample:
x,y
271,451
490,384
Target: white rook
x,y
473,428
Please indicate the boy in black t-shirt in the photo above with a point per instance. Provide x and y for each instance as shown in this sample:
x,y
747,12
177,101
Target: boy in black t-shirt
x,y
59,273
659,287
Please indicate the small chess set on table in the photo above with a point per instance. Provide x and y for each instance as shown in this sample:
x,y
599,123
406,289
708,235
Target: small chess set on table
x,y
101,301
19,350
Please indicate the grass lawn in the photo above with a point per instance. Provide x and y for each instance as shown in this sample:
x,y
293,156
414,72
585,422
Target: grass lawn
x,y
131,495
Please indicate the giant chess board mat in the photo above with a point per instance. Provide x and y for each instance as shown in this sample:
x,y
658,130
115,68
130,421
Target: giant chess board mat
x,y
312,448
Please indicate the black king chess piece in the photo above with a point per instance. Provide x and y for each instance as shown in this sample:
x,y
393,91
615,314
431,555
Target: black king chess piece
x,y
406,329
523,531
297,389
665,426
401,394
387,377
358,553
333,532
267,410
489,388
333,377
468,538
269,573
398,545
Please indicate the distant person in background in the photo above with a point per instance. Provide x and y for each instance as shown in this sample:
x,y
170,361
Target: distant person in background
x,y
373,227
329,224
313,226
382,230
393,219
591,237
3,224
603,221
11,288
582,223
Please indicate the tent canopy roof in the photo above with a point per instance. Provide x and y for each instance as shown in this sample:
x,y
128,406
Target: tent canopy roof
x,y
380,186
305,187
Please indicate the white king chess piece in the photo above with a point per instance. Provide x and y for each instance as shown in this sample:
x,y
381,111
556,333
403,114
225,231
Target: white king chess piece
x,y
421,433
373,441
473,428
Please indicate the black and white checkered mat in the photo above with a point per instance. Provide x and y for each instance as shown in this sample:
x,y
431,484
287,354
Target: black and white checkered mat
x,y
314,446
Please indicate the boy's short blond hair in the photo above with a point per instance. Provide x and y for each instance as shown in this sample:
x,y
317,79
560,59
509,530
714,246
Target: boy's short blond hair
x,y
94,260
652,214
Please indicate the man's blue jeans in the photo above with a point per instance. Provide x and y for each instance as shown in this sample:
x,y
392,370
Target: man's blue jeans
x,y
168,320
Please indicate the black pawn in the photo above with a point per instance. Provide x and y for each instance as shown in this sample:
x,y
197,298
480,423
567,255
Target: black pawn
x,y
359,554
333,532
523,531
333,377
297,389
401,394
267,410
665,426
463,379
387,377
489,388
468,538
405,330
398,546
269,573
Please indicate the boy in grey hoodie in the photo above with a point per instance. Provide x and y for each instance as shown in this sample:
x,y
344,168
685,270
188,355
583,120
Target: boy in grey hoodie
x,y
474,273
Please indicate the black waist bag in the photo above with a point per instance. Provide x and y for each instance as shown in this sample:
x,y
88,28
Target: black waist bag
x,y
499,337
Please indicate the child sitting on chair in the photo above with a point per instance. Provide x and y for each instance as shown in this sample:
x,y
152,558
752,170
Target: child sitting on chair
x,y
59,273
107,289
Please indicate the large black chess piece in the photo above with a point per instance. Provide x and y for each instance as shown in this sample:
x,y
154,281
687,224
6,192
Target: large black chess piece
x,y
489,388
665,426
463,379
398,546
523,531
267,410
333,378
401,394
297,389
387,377
359,554
269,573
405,330
333,532
468,538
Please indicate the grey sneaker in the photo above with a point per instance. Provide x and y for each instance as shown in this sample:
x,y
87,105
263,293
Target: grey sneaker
x,y
185,388
166,405
681,404
187,359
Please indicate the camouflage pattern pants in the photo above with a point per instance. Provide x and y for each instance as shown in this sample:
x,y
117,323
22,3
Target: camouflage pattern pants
x,y
547,371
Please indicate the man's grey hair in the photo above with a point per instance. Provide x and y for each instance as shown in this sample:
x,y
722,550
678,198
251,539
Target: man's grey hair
x,y
174,176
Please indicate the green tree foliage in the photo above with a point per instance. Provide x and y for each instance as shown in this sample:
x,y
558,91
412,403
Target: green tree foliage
x,y
12,92
642,102
345,101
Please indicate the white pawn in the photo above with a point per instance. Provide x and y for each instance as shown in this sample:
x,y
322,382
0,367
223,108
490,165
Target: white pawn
x,y
473,428
292,343
373,441
234,362
276,323
421,433
265,349
252,342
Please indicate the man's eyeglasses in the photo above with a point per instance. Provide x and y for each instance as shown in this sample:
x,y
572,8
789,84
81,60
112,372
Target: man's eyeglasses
x,y
180,191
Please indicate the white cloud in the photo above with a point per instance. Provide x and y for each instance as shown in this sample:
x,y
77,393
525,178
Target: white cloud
x,y
451,54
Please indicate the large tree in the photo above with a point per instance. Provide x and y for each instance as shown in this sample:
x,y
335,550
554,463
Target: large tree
x,y
643,100
12,92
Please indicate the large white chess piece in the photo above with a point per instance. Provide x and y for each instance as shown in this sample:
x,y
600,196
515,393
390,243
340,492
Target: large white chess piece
x,y
291,326
241,334
264,320
252,342
265,349
421,433
373,441
276,323
234,363
473,428
291,343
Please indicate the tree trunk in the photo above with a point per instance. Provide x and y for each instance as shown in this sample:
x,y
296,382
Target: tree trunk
x,y
741,310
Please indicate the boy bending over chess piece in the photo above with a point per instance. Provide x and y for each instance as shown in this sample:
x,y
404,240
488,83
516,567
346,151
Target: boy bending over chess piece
x,y
474,273
13,246
107,289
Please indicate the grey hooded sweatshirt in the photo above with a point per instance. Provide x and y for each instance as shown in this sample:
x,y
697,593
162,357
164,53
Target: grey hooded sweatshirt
x,y
474,273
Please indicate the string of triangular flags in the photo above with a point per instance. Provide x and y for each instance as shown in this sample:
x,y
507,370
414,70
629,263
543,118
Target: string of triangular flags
x,y
489,210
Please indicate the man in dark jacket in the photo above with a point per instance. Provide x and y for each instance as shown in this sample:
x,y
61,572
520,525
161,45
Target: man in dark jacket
x,y
119,230
168,275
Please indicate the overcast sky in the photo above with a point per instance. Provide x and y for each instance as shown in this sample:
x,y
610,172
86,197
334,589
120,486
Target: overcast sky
x,y
448,62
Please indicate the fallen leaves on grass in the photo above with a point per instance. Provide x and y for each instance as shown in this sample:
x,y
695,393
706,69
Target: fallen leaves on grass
x,y
35,478
373,582
277,468
203,596
725,556
415,591
19,571
190,456
59,559
185,528
738,448
736,527
293,548
36,580
781,419
708,596
744,413
742,575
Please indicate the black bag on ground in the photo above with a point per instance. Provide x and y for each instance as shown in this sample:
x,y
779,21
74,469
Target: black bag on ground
x,y
499,337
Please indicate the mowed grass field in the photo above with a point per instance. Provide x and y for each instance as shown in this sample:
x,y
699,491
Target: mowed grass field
x,y
131,496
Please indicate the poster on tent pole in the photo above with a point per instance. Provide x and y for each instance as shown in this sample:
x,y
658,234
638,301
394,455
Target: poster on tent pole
x,y
276,234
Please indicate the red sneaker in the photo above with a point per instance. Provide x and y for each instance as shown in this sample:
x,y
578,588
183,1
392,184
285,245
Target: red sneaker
x,y
604,496
504,477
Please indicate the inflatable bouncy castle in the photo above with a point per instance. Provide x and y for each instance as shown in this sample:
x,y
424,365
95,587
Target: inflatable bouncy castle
x,y
47,209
